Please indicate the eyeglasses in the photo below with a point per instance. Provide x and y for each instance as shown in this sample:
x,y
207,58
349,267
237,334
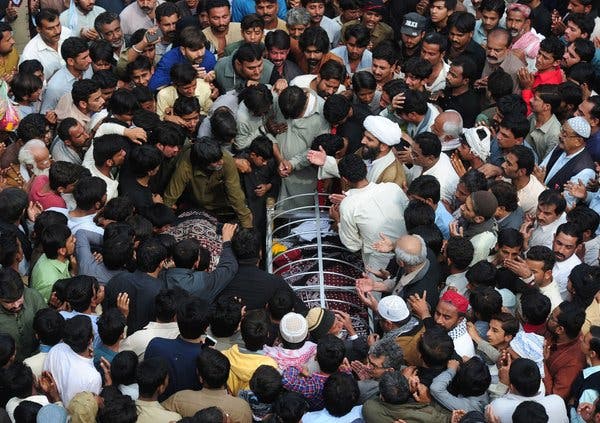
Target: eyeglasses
x,y
564,134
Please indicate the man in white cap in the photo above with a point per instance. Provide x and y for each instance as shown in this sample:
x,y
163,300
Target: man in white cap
x,y
474,148
380,135
294,350
569,161
368,210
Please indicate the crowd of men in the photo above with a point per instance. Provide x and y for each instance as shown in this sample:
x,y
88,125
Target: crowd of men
x,y
456,143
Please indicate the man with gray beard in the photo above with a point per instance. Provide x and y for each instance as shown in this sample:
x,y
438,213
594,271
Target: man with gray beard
x,y
34,159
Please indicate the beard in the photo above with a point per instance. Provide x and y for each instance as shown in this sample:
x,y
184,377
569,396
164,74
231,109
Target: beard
x,y
370,153
312,62
37,172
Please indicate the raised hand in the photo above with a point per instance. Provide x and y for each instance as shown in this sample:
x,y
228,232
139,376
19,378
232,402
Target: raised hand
x,y
518,266
457,164
419,305
384,245
317,157
577,190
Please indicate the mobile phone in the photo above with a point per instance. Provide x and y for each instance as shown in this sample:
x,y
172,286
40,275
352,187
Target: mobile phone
x,y
151,38
209,341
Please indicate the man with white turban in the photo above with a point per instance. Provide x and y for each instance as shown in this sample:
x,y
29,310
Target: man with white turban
x,y
380,135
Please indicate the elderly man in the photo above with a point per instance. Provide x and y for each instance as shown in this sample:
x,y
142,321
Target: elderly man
x,y
108,27
418,271
448,126
139,14
380,135
34,158
368,210
499,55
569,161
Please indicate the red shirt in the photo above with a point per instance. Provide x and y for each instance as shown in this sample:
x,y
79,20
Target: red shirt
x,y
551,76
40,191
562,367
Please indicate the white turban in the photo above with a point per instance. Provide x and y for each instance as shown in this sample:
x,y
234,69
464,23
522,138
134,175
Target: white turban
x,y
383,129
479,147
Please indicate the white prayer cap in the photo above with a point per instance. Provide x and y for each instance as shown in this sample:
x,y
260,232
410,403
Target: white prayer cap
x,y
479,147
580,126
383,129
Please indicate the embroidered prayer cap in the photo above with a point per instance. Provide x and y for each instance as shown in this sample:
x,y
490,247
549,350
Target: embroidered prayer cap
x,y
456,299
479,140
580,126
293,328
383,129
319,320
393,308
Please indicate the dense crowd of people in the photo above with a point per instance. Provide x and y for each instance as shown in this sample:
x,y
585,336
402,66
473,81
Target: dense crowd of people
x,y
456,146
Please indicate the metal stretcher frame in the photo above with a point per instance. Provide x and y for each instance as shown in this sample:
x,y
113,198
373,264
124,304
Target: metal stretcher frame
x,y
280,221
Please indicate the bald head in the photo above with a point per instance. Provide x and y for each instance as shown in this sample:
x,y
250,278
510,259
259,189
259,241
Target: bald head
x,y
501,36
448,125
411,250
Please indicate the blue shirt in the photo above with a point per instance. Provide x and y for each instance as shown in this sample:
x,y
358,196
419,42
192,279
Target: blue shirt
x,y
241,8
366,61
443,218
593,146
162,77
181,356
103,351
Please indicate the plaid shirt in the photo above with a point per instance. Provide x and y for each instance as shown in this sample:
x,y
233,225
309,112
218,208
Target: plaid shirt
x,y
311,387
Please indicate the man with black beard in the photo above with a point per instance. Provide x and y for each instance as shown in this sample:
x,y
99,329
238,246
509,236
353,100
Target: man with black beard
x,y
380,135
167,16
563,357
